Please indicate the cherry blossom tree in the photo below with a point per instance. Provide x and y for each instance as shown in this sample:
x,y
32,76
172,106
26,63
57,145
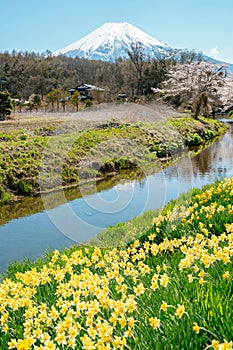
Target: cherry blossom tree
x,y
200,84
226,93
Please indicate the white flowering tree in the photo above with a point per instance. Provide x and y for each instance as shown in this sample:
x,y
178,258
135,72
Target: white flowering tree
x,y
199,84
226,93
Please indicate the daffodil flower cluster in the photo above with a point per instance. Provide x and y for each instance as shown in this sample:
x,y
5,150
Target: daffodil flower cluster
x,y
97,299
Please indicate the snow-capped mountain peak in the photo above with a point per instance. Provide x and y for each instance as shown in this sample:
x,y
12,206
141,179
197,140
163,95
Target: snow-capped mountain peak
x,y
113,40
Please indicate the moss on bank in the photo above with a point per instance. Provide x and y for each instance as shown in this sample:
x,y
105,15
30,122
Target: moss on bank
x,y
47,158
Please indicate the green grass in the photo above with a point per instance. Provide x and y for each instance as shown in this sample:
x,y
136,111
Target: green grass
x,y
47,158
140,226
124,232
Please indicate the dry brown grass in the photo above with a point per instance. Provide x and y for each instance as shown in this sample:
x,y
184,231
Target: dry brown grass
x,y
90,118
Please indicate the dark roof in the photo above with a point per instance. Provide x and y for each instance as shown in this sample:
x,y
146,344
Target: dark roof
x,y
85,87
86,97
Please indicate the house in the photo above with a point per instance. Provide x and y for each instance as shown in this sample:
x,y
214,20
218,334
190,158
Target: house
x,y
88,92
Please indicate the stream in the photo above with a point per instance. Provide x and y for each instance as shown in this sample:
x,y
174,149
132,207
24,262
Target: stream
x,y
77,218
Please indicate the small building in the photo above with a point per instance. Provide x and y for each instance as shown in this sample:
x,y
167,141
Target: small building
x,y
88,92
122,97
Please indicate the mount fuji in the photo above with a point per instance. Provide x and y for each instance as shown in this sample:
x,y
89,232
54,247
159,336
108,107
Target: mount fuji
x,y
113,40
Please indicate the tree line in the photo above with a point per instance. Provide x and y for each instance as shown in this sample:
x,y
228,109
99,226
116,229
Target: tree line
x,y
181,78
31,73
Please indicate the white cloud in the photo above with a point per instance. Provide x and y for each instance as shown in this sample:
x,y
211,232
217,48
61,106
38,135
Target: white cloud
x,y
214,52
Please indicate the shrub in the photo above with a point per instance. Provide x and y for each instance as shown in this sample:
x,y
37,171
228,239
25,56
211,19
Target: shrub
x,y
23,137
4,197
230,114
23,188
209,134
194,140
88,103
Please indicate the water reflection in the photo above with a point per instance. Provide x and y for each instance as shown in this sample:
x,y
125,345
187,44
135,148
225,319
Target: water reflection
x,y
114,200
215,162
32,205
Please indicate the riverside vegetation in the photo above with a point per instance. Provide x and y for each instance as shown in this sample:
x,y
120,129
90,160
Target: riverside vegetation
x,y
171,288
35,157
166,283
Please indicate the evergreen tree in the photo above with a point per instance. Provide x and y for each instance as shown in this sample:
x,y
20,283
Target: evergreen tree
x,y
54,96
51,98
36,101
75,99
5,104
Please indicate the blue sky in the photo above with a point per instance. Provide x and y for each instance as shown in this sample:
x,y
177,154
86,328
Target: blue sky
x,y
38,25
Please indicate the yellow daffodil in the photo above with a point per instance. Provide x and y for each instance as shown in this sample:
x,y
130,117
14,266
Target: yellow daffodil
x,y
164,306
196,328
180,311
226,275
154,322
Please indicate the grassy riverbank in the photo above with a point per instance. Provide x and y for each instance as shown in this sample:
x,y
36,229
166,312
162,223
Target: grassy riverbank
x,y
169,289
62,154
